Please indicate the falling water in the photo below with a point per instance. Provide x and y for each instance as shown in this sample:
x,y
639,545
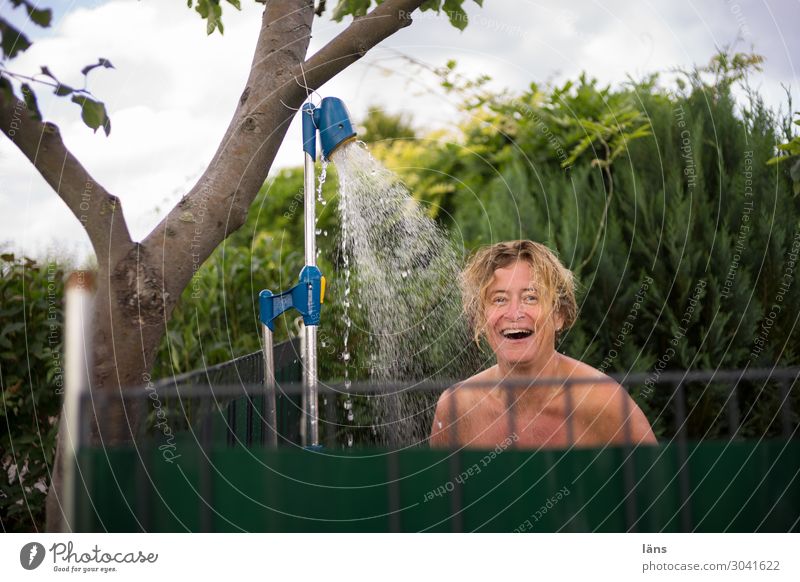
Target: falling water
x,y
406,283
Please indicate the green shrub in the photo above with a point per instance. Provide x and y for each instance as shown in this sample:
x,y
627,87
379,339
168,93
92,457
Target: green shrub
x,y
31,378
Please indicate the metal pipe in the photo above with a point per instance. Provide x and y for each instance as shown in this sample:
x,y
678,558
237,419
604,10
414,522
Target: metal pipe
x,y
77,363
269,386
309,189
304,394
310,331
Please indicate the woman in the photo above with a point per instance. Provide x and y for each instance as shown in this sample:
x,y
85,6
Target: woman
x,y
519,297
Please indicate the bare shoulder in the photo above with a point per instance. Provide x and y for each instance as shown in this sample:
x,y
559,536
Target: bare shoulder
x,y
591,382
466,395
607,405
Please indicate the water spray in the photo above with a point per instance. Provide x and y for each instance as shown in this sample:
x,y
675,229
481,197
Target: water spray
x,y
332,121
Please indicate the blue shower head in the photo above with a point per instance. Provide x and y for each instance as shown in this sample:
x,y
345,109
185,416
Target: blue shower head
x,y
332,120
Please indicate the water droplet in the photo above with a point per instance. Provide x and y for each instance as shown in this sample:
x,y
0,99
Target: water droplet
x,y
346,356
318,231
350,415
349,440
348,404
439,423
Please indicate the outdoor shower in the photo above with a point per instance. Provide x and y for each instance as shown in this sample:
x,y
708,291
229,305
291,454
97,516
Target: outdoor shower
x,y
332,121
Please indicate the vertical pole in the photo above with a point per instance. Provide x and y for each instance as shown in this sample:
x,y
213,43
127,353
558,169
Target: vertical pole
x,y
269,386
310,380
78,309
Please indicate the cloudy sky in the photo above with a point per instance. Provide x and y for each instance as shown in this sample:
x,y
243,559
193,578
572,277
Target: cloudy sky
x,y
174,89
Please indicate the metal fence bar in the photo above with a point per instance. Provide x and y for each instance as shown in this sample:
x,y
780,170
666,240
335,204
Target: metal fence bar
x,y
294,388
393,491
206,484
231,428
451,426
511,410
629,469
786,410
249,424
456,502
331,420
570,421
734,415
683,456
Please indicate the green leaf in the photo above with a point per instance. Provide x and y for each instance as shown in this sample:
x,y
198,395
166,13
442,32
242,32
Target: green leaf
x,y
455,13
40,17
93,113
64,90
795,172
235,3
46,72
351,7
13,41
101,62
30,101
431,5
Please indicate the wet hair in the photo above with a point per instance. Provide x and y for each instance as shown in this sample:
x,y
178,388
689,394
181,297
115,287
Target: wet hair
x,y
553,281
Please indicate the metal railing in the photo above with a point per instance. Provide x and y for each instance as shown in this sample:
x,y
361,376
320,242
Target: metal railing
x,y
692,405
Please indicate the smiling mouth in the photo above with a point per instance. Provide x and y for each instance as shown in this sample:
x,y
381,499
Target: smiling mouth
x,y
516,334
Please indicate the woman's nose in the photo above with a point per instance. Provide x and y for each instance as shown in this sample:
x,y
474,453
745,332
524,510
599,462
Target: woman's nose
x,y
514,311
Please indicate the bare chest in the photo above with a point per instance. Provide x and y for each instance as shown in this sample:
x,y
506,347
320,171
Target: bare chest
x,y
549,427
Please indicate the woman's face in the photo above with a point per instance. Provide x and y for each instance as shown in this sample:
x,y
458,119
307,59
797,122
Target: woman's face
x,y
519,325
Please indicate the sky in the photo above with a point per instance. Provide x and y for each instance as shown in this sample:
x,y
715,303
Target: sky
x,y
173,89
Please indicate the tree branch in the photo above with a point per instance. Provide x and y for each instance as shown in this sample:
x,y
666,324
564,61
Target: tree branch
x,y
354,42
99,212
217,205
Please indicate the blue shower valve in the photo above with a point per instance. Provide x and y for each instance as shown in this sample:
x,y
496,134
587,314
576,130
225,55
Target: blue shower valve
x,y
305,297
271,306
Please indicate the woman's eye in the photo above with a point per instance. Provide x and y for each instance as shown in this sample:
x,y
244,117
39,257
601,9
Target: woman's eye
x,y
531,298
499,300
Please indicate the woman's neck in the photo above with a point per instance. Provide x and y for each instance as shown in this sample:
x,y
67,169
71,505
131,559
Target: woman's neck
x,y
546,366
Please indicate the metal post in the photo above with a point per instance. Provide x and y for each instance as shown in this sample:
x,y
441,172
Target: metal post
x,y
310,379
269,386
78,310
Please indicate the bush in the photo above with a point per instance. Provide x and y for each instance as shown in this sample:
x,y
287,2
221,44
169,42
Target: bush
x,y
31,378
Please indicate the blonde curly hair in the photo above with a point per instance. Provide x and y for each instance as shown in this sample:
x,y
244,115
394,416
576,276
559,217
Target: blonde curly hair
x,y
555,283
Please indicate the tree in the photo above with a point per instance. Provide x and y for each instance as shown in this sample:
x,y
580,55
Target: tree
x,y
139,282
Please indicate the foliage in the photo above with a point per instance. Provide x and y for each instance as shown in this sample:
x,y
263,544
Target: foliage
x,y
696,210
31,380
790,154
683,269
380,125
14,42
452,8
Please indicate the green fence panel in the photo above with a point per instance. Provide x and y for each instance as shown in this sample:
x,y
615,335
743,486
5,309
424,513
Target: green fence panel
x,y
725,486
